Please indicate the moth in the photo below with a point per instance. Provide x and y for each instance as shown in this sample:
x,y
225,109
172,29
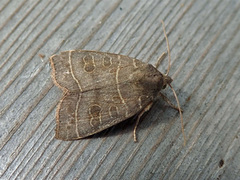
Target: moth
x,y
102,89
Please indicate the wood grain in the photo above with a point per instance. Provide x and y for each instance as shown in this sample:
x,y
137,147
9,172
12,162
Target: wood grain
x,y
205,47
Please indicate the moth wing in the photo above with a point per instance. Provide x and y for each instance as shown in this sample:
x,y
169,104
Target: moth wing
x,y
99,91
82,70
84,114
61,72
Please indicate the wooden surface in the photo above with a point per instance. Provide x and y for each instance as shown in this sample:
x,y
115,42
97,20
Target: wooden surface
x,y
204,37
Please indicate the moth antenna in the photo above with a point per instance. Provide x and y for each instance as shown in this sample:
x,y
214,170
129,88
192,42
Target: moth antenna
x,y
163,55
168,48
169,66
181,117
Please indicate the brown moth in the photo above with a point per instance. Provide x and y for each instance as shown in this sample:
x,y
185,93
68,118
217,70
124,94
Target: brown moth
x,y
102,89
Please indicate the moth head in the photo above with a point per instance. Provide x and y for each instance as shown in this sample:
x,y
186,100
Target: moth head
x,y
166,80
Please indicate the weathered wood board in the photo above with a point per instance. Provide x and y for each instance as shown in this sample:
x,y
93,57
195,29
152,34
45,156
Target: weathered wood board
x,y
204,40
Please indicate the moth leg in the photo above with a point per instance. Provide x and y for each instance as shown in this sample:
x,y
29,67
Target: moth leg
x,y
169,102
138,118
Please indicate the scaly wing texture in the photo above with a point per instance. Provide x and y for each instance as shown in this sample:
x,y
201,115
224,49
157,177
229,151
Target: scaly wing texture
x,y
100,91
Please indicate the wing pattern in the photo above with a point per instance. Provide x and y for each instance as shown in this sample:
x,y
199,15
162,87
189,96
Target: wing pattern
x,y
100,90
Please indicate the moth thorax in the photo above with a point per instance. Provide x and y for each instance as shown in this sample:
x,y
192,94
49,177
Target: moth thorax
x,y
152,81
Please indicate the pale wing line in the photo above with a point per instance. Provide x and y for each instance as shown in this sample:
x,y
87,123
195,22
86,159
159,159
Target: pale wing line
x,y
70,63
140,102
79,98
118,88
89,112
134,63
76,113
100,116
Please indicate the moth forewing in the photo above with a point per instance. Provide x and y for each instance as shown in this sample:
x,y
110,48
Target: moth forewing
x,y
103,94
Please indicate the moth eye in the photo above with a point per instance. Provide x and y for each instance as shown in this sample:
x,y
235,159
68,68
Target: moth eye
x,y
153,75
164,86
